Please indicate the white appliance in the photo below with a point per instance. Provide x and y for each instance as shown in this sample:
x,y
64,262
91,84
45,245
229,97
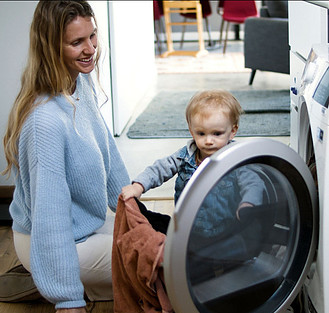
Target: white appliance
x,y
258,263
308,25
261,262
279,251
313,146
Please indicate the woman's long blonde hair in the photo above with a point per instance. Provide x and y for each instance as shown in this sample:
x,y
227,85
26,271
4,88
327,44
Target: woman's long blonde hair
x,y
46,72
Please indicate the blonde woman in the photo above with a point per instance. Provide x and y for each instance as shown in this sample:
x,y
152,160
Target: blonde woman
x,y
67,168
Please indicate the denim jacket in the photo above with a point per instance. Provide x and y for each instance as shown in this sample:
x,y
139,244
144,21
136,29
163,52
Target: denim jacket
x,y
218,209
182,163
220,205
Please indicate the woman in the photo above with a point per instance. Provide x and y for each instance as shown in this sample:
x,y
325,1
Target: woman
x,y
67,168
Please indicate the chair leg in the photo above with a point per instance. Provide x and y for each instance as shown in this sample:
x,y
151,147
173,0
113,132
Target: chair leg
x,y
221,31
157,36
226,37
183,32
162,29
210,44
252,76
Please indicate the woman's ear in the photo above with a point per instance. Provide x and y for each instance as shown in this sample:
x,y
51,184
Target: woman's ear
x,y
234,131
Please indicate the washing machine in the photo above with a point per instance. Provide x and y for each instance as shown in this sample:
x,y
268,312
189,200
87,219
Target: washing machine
x,y
274,251
257,262
313,145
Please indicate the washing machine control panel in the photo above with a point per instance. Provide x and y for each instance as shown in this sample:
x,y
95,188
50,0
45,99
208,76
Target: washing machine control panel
x,y
321,93
315,86
309,75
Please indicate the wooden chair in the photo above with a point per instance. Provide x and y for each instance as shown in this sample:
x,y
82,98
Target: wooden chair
x,y
206,11
170,7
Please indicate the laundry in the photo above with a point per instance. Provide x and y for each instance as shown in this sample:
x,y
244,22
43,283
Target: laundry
x,y
137,257
159,222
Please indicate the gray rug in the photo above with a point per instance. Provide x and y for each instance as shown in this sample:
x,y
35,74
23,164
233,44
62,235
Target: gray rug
x,y
267,113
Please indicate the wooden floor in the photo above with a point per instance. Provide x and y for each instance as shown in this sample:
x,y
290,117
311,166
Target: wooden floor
x,y
8,259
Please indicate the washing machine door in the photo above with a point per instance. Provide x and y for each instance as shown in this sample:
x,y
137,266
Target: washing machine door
x,y
244,231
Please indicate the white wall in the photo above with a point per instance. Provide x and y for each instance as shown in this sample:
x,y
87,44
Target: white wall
x,y
15,20
132,56
101,12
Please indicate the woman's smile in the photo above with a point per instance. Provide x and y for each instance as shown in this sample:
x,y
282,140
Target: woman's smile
x,y
79,46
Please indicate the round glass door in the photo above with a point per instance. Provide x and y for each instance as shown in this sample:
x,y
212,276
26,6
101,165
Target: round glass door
x,y
248,234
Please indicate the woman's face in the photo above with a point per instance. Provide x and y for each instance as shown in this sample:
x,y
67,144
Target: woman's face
x,y
79,46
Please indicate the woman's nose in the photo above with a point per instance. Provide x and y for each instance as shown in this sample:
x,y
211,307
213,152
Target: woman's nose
x,y
90,47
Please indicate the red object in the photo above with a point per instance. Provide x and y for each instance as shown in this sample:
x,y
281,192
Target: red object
x,y
157,9
235,12
206,10
238,11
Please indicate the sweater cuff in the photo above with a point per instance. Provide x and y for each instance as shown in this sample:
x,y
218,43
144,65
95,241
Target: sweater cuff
x,y
70,304
139,183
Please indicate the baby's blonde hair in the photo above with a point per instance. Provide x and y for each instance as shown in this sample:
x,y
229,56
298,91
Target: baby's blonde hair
x,y
202,101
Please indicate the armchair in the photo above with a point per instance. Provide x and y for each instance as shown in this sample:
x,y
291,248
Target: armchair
x,y
266,46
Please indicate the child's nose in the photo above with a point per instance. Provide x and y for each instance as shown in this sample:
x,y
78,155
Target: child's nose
x,y
209,140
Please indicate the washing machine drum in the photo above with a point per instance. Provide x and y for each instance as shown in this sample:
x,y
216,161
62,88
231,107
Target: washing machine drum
x,y
244,231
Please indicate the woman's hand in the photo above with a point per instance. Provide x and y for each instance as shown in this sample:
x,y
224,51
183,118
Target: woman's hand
x,y
73,310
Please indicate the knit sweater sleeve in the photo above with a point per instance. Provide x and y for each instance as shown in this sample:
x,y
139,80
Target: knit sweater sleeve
x,y
54,259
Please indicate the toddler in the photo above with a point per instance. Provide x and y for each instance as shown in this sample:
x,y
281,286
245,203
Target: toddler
x,y
213,118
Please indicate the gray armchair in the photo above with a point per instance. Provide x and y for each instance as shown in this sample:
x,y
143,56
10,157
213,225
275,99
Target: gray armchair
x,y
266,46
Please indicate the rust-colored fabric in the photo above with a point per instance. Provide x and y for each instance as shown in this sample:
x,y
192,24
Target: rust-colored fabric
x,y
137,255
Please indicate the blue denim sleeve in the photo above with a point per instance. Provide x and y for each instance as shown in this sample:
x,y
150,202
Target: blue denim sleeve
x,y
251,186
159,172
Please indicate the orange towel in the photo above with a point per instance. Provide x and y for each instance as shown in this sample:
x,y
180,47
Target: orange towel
x,y
137,255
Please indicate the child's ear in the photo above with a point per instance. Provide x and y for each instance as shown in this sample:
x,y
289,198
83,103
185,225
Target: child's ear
x,y
191,132
234,131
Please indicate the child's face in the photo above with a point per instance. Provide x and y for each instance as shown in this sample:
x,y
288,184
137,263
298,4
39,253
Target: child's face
x,y
211,132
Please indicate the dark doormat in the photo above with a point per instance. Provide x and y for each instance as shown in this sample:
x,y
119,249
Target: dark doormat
x,y
267,113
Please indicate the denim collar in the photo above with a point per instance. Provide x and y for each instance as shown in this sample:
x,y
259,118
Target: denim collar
x,y
188,153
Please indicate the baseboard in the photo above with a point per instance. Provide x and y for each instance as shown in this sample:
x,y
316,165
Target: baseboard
x,y
157,199
6,192
6,196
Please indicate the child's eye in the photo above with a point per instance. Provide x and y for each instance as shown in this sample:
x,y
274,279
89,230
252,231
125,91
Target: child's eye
x,y
217,133
200,134
75,43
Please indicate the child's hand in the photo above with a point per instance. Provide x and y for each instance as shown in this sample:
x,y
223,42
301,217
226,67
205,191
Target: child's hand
x,y
241,206
130,191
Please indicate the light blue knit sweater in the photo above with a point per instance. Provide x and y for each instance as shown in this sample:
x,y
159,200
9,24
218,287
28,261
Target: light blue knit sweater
x,y
70,171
